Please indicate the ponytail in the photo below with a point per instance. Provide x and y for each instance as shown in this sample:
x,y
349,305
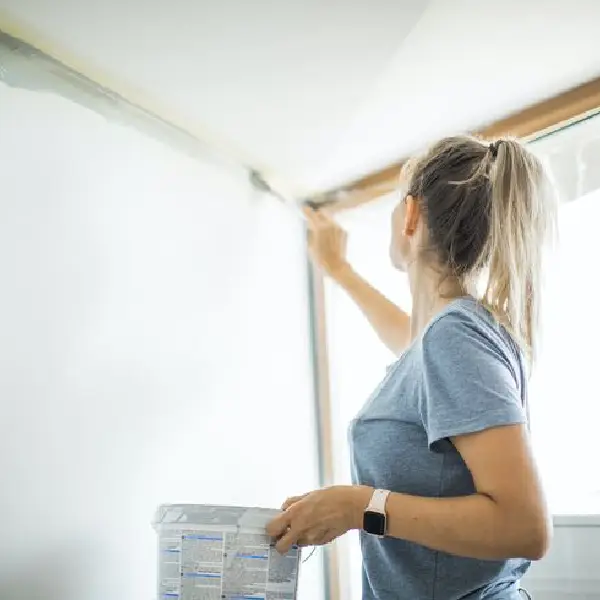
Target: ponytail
x,y
521,219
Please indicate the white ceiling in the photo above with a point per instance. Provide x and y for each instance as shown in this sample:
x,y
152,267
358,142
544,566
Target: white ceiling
x,y
318,92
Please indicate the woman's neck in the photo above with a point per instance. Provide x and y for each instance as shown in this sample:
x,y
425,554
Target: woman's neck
x,y
431,293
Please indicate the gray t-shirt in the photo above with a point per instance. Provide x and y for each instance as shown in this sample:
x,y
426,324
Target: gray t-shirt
x,y
464,374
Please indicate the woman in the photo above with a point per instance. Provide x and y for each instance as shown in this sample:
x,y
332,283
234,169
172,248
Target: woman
x,y
446,492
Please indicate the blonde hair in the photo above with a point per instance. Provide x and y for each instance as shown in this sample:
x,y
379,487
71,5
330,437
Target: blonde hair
x,y
490,208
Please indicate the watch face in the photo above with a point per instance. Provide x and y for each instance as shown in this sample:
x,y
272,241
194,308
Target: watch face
x,y
374,523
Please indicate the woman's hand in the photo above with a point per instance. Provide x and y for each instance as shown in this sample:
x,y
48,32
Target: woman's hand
x,y
319,517
326,242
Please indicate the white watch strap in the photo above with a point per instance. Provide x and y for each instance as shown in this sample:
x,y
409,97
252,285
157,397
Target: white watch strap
x,y
378,500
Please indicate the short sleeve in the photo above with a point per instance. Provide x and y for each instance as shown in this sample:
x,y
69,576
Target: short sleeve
x,y
470,382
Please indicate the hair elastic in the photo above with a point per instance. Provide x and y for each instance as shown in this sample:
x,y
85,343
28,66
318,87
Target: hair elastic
x,y
493,148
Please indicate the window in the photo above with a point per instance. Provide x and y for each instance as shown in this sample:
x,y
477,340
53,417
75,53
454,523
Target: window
x,y
564,390
565,397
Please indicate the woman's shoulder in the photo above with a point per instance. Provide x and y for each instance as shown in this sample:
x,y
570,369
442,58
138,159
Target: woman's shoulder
x,y
465,325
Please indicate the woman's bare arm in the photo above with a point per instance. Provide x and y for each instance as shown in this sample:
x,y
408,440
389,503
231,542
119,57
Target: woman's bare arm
x,y
391,323
327,244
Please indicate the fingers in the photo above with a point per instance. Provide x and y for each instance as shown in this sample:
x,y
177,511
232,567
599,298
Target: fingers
x,y
285,543
283,529
291,501
279,525
311,215
316,218
297,526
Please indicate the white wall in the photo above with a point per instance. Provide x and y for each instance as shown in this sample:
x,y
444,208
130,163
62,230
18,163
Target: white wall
x,y
153,345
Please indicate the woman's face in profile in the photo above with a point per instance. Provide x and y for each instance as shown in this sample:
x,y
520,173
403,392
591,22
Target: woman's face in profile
x,y
400,242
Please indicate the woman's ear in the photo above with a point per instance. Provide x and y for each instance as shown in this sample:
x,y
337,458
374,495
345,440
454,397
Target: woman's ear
x,y
412,216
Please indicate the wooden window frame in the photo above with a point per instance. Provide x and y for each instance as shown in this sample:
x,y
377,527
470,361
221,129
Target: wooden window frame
x,y
534,121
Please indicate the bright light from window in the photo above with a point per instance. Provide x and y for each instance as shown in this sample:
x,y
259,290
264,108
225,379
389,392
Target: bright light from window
x,y
565,397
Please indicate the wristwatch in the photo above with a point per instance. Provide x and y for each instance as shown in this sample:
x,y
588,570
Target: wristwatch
x,y
375,516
